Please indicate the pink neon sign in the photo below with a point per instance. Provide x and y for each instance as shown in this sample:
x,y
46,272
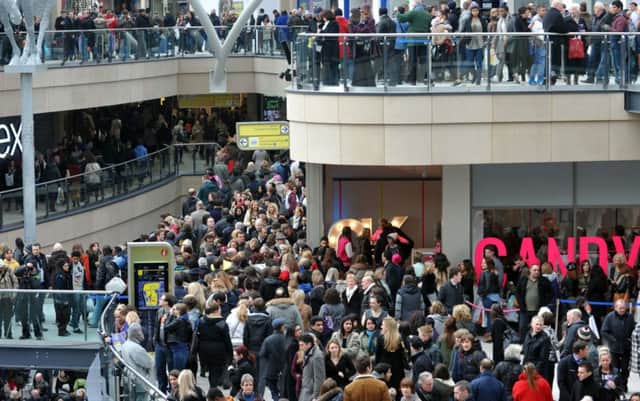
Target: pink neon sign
x,y
554,252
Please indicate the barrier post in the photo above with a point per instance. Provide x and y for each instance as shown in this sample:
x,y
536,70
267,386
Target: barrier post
x,y
557,314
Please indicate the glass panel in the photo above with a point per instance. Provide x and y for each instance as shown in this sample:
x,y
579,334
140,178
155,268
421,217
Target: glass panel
x,y
511,225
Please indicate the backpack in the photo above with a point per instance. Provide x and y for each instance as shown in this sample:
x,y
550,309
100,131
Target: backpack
x,y
329,324
510,337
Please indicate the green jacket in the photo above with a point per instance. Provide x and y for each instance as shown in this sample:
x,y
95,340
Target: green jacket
x,y
419,20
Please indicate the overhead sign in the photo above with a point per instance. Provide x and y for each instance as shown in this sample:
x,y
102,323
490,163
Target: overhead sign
x,y
10,138
268,135
215,101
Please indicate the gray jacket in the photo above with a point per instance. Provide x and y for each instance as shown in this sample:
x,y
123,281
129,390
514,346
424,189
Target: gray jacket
x,y
285,308
135,355
313,375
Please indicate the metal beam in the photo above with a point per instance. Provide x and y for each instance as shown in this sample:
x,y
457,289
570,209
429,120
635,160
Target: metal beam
x,y
48,355
218,78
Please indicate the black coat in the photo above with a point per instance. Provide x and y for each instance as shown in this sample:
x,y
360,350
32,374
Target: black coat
x,y
256,329
451,295
507,372
553,22
329,52
545,291
272,356
420,362
586,387
536,349
178,331
616,332
497,335
344,365
352,306
567,376
214,342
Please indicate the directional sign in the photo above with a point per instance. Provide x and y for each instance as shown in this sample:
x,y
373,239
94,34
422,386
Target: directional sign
x,y
262,135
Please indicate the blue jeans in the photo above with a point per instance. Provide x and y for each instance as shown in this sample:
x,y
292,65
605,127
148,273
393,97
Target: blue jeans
x,y
487,302
474,57
180,354
97,311
613,52
162,364
78,306
82,45
125,51
536,75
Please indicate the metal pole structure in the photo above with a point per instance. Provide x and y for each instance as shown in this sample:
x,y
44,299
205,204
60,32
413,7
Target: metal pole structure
x,y
28,158
28,149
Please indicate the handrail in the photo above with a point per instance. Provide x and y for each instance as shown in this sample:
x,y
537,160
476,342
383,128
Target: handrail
x,y
464,34
160,28
48,291
153,390
100,171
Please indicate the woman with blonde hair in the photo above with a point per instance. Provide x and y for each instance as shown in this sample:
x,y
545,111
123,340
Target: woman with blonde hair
x,y
197,291
337,365
390,350
305,310
132,317
236,322
462,314
187,388
272,212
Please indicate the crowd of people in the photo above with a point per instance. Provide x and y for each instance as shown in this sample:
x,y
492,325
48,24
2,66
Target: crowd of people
x,y
459,59
41,385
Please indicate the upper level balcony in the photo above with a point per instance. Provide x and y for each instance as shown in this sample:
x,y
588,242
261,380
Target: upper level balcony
x,y
422,99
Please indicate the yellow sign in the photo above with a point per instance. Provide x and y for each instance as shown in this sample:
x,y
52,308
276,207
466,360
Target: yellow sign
x,y
270,135
215,101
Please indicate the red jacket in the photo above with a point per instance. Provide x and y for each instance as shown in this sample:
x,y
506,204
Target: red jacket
x,y
522,391
343,27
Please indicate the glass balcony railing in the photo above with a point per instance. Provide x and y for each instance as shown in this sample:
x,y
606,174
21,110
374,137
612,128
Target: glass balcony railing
x,y
38,314
79,192
123,381
79,47
465,62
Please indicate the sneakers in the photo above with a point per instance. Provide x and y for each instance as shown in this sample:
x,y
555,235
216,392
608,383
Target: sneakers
x,y
77,330
25,337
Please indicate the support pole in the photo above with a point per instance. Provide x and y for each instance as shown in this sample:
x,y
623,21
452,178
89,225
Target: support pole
x,y
28,157
28,148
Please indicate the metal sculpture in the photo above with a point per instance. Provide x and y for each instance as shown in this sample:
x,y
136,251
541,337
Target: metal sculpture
x,y
10,11
218,79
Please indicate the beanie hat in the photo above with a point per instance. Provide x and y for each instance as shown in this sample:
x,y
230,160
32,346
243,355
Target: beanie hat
x,y
584,333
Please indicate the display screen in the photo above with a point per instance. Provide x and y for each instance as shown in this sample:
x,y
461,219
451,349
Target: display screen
x,y
150,280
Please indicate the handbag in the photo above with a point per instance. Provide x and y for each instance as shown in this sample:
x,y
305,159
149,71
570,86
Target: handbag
x,y
116,284
192,361
576,49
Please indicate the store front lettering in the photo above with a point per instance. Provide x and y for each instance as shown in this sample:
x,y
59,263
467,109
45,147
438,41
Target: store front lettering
x,y
10,140
555,253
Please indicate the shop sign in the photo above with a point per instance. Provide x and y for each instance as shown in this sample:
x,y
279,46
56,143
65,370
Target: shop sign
x,y
262,135
556,256
10,138
221,101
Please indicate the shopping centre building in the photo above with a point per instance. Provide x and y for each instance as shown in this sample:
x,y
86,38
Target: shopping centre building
x,y
461,163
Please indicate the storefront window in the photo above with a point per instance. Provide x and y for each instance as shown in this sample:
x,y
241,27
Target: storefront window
x,y
512,225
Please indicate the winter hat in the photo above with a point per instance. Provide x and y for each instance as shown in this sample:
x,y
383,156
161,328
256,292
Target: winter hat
x,y
396,259
584,333
276,324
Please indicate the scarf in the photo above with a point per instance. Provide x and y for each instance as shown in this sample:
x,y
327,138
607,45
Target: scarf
x,y
371,336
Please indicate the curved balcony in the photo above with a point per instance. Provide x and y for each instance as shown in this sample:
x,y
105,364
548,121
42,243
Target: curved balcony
x,y
465,62
359,117
116,72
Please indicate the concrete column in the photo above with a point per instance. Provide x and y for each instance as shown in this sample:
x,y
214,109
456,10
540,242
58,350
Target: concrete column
x,y
315,203
456,212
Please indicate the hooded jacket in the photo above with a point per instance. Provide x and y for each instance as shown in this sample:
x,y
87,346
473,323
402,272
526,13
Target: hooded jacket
x,y
135,354
285,308
214,341
256,329
408,300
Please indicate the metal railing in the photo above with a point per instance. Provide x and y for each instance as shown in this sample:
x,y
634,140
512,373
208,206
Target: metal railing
x,y
79,192
76,300
123,379
77,46
465,62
